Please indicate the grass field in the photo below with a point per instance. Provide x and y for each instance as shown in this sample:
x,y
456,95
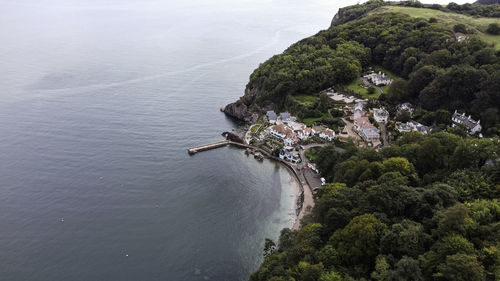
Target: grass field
x,y
305,100
356,87
450,19
310,121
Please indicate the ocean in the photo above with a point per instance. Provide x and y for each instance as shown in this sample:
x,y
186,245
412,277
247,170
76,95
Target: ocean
x,y
99,101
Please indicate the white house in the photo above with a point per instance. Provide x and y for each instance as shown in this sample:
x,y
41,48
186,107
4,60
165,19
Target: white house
x,y
278,131
284,133
316,130
380,115
296,126
358,110
470,124
327,134
289,156
379,79
405,107
304,133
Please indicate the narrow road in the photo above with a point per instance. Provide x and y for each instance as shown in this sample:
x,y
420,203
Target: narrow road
x,y
384,134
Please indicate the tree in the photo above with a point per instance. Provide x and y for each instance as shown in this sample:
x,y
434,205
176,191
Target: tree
x,y
420,79
454,220
461,267
471,184
357,243
382,269
311,272
328,256
460,28
407,269
331,276
398,90
405,238
493,28
398,164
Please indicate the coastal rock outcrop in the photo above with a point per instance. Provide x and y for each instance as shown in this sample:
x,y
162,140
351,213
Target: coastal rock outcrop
x,y
237,109
244,109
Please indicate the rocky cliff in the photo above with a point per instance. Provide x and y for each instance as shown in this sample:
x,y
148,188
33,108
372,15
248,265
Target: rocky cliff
x,y
244,109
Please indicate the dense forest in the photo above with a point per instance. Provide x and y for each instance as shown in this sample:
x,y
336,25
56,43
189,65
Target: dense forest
x,y
438,71
425,208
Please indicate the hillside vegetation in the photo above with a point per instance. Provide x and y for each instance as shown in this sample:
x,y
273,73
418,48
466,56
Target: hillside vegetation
x,y
474,25
441,71
426,207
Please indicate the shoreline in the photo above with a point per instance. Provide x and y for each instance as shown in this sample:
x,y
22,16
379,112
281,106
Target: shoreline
x,y
304,194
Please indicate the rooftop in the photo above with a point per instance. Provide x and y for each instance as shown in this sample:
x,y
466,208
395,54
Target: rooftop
x,y
467,121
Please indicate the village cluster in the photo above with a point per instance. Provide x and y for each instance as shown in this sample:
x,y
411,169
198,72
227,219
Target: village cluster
x,y
287,132
290,132
286,128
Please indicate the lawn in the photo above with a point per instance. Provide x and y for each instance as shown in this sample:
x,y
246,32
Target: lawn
x,y
312,153
310,121
355,86
479,24
305,100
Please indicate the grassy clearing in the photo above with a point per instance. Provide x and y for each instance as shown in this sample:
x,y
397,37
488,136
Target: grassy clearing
x,y
310,121
479,24
254,128
495,39
312,153
305,100
355,86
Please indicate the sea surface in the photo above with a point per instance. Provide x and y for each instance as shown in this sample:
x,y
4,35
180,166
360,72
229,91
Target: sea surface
x,y
99,101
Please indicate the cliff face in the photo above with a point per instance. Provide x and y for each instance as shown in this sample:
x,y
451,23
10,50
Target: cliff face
x,y
335,19
244,109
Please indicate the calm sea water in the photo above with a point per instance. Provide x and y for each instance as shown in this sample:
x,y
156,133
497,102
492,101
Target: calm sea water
x,y
99,101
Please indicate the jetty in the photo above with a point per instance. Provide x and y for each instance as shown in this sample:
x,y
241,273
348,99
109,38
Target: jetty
x,y
209,146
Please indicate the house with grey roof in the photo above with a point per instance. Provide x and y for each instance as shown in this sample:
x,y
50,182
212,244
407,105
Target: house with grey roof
x,y
285,117
370,134
271,116
413,126
472,126
419,127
